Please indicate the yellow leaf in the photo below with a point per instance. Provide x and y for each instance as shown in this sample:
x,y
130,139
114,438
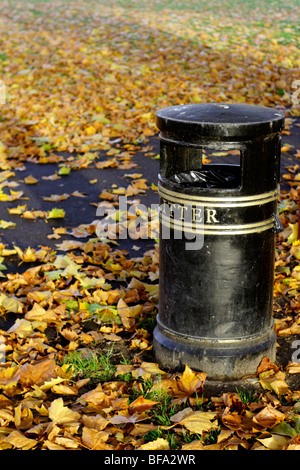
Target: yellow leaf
x,y
4,224
60,414
293,368
274,442
19,441
128,314
194,445
30,180
67,442
97,422
9,375
146,370
17,210
13,195
90,130
28,256
23,328
40,314
195,421
219,154
274,381
51,383
191,382
147,115
11,304
158,444
56,214
294,235
56,197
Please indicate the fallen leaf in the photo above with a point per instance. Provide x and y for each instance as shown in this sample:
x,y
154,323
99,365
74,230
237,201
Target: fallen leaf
x,y
146,370
274,381
30,180
56,214
274,442
128,314
60,414
6,224
19,441
94,439
37,374
268,417
158,444
123,417
191,382
56,197
141,404
195,421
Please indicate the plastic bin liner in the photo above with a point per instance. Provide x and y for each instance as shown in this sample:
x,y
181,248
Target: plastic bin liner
x,y
215,178
208,178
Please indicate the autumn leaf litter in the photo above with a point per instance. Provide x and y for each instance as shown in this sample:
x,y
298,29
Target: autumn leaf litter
x,y
77,369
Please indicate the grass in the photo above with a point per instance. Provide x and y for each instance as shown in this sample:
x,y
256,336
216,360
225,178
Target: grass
x,y
247,396
198,5
89,364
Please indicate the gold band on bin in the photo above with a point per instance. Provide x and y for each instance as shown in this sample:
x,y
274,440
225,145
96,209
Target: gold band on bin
x,y
234,201
186,227
197,227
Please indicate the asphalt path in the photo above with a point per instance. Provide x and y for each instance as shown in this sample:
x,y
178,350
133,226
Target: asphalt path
x,y
78,210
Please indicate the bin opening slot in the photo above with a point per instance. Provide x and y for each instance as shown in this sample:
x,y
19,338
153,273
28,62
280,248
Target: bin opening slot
x,y
227,157
219,170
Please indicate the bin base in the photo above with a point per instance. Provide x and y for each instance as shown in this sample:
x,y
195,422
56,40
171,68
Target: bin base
x,y
225,360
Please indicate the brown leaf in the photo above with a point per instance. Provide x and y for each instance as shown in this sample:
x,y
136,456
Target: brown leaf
x,y
96,397
37,374
62,389
293,368
123,369
146,370
233,401
231,419
30,180
67,442
23,417
97,422
123,417
274,442
266,364
40,314
141,404
268,417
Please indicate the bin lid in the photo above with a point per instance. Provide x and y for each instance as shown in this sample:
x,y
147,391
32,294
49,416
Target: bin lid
x,y
193,123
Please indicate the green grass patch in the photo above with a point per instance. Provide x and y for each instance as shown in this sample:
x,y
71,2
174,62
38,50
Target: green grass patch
x,y
90,364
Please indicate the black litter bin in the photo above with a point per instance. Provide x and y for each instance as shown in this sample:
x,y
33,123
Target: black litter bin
x,y
217,238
